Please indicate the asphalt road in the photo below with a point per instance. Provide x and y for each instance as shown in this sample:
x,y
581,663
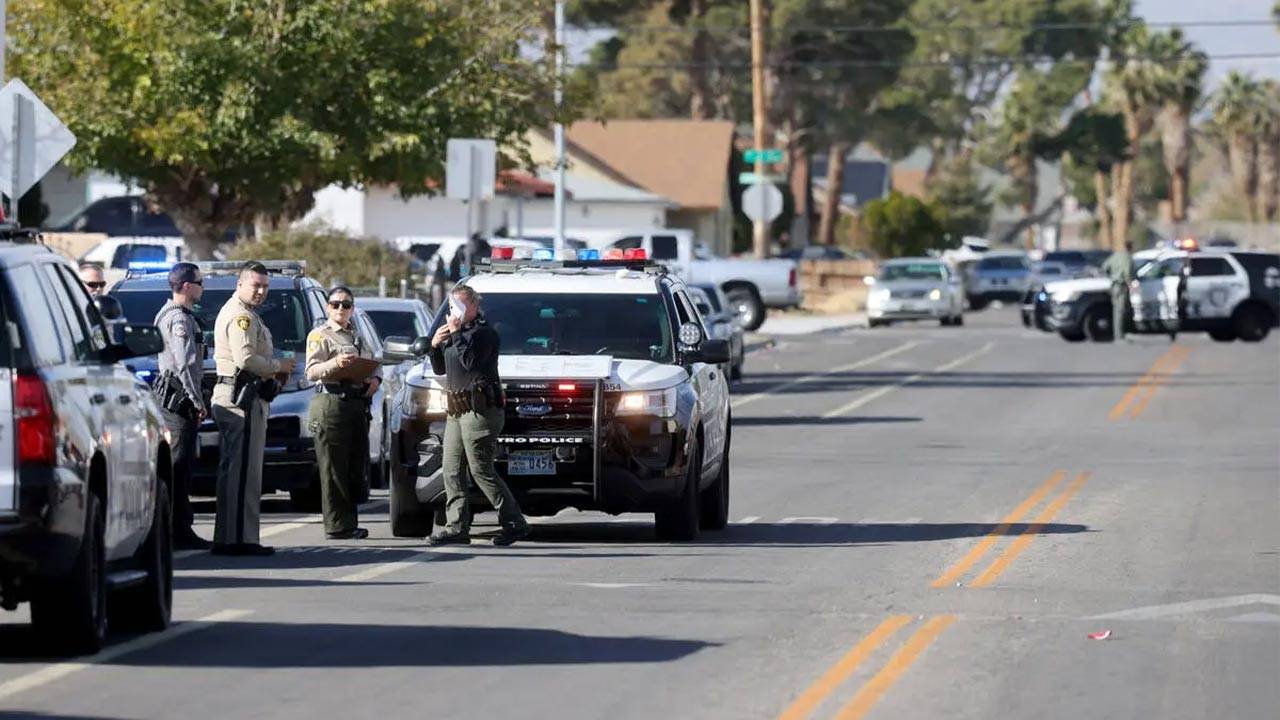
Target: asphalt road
x,y
928,523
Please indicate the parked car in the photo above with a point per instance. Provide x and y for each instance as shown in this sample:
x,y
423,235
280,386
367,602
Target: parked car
x,y
1003,276
821,252
722,323
915,289
407,317
1229,295
129,216
119,253
85,527
1074,262
1035,302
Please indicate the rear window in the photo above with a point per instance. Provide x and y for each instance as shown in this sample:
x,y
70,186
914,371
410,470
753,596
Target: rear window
x,y
1067,258
913,271
1003,262
1210,266
396,322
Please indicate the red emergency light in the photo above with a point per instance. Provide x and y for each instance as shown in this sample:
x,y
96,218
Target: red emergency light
x,y
566,387
502,253
613,254
634,254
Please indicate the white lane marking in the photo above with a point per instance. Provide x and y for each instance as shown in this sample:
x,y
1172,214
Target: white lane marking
x,y
611,586
286,527
881,392
49,674
808,520
1152,612
748,520
378,571
739,402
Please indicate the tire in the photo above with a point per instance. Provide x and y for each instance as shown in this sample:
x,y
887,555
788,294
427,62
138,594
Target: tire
x,y
714,503
1224,335
678,521
1251,324
409,518
1072,336
750,307
71,612
977,302
878,323
1097,326
944,322
957,321
149,607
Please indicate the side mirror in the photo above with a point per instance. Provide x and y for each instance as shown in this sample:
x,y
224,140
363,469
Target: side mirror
x,y
713,352
109,308
869,280
138,341
397,349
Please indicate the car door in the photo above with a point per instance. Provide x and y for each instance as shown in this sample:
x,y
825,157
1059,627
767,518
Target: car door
x,y
1155,297
712,392
1214,288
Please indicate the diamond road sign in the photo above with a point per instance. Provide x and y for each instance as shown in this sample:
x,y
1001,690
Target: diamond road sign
x,y
772,155
42,139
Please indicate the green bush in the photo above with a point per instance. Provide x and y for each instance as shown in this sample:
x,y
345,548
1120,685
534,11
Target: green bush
x,y
330,254
901,226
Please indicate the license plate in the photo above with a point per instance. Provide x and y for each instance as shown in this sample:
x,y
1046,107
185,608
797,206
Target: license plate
x,y
912,307
531,462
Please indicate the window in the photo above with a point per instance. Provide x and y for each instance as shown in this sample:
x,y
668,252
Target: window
x,y
134,252
629,243
86,311
284,312
404,323
1210,266
1003,262
665,247
113,216
72,327
37,317
913,271
1169,267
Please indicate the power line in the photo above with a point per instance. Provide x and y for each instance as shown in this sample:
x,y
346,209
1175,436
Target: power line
x,y
978,62
1034,27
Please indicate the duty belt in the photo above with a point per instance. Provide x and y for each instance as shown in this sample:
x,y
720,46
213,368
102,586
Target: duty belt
x,y
478,398
346,391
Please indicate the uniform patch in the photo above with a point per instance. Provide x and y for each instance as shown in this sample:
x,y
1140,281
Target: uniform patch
x,y
180,329
313,346
243,322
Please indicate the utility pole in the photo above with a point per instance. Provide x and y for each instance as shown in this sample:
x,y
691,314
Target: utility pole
x,y
559,130
759,113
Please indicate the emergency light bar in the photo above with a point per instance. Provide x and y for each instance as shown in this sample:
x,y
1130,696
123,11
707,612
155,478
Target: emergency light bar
x,y
275,267
569,254
495,265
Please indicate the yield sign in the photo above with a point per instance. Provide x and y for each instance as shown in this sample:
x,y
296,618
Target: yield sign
x,y
42,140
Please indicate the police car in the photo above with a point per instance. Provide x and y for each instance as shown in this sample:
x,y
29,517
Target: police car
x,y
1229,295
85,462
616,398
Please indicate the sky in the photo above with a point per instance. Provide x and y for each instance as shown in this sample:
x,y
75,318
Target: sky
x,y
1218,40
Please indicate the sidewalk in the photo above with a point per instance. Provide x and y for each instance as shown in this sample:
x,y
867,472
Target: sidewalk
x,y
779,325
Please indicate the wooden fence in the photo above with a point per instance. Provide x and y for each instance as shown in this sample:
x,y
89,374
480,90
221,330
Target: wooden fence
x,y
821,280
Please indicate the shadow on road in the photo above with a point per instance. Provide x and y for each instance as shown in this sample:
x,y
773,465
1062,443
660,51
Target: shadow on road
x,y
792,420
314,557
797,534
36,715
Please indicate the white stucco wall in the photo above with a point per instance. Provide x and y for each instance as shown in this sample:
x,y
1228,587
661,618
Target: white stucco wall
x,y
340,208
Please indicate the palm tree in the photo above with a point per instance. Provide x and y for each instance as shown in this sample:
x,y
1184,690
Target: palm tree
x,y
1134,85
1238,113
1182,87
1269,153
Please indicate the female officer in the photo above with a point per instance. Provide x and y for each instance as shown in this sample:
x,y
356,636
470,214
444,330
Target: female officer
x,y
465,351
338,418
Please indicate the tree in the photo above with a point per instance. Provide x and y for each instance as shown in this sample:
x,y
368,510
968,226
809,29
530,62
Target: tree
x,y
1182,90
1092,144
901,226
234,111
332,255
1269,152
1134,87
961,200
1237,114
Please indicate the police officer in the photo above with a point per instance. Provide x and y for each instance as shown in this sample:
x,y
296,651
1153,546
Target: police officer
x,y
465,351
93,277
1119,267
178,389
243,354
339,417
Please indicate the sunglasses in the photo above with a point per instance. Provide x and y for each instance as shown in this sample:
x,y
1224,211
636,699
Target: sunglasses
x,y
342,304
196,282
96,285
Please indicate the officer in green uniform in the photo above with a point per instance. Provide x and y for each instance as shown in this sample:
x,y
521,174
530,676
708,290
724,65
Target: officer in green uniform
x,y
465,351
339,417
1119,267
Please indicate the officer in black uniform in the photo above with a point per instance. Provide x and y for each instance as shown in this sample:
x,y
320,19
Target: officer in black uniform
x,y
465,351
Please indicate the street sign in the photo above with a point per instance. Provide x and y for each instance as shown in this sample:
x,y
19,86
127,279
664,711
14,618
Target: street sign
x,y
772,155
762,203
748,178
42,140
472,169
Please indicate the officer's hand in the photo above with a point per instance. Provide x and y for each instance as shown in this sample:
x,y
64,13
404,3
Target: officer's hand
x,y
372,387
202,415
287,365
441,335
453,323
345,360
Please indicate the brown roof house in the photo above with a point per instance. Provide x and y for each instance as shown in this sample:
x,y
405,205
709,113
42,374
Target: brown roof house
x,y
685,162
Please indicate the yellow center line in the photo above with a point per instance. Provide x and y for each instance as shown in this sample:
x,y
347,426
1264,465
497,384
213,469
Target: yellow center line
x,y
982,548
1017,546
1150,390
823,686
897,666
1121,407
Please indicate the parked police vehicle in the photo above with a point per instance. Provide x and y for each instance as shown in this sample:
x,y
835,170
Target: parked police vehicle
x,y
615,398
295,304
1229,295
85,466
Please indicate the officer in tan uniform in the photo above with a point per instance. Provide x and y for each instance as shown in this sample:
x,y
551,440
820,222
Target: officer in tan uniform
x,y
339,416
243,354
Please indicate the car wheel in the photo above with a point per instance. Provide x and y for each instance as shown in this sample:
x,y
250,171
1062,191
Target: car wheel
x,y
1072,336
957,321
1251,324
976,302
1223,335
714,508
749,306
678,521
72,611
1097,325
149,607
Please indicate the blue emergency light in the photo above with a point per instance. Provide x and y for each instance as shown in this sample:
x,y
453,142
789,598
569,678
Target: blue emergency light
x,y
150,265
591,254
543,254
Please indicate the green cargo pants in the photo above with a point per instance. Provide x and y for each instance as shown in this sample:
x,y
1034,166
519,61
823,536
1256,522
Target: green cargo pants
x,y
470,441
341,433
1119,311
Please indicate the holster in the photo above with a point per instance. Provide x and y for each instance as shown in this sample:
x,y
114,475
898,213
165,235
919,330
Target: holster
x,y
478,398
245,390
172,397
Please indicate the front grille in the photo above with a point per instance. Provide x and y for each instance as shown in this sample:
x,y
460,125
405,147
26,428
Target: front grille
x,y
908,294
286,427
543,406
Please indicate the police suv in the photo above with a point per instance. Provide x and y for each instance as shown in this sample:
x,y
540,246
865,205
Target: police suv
x,y
85,461
616,399
1230,295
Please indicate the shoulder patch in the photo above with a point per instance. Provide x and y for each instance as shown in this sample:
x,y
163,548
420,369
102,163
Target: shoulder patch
x,y
179,329
243,322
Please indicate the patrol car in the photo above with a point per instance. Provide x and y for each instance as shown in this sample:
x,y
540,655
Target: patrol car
x,y
1229,295
295,303
616,398
85,466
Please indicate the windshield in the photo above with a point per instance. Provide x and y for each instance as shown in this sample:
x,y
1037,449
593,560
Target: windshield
x,y
1066,257
630,327
391,323
1003,262
283,312
913,271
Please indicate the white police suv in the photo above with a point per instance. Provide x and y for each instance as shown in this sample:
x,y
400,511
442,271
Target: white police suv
x,y
616,399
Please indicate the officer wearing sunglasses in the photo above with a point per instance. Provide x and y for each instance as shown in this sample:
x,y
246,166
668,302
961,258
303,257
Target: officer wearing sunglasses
x,y
91,274
338,417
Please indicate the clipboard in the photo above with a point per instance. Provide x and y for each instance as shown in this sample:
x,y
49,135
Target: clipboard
x,y
359,370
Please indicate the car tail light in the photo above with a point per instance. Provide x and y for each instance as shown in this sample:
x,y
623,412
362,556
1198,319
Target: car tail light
x,y
36,421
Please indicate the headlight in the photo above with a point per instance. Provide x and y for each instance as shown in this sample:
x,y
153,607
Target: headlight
x,y
878,295
423,401
1069,296
935,294
658,402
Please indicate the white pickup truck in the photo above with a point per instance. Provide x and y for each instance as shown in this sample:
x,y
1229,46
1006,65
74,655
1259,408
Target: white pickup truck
x,y
751,285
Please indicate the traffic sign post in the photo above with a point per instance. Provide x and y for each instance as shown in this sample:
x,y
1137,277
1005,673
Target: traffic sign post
x,y
770,156
762,203
32,141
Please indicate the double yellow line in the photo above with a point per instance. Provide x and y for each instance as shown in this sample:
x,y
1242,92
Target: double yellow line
x,y
1139,395
911,650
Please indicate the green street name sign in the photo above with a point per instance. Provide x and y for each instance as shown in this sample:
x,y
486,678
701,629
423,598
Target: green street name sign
x,y
772,155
